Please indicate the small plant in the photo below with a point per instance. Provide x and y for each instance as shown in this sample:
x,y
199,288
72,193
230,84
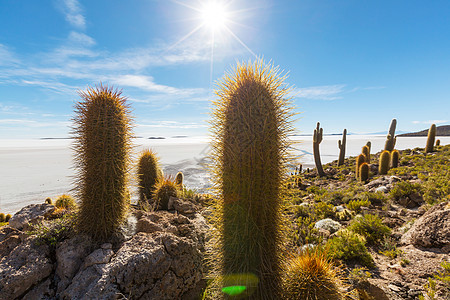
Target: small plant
x,y
2,218
383,167
404,189
430,290
54,231
48,200
66,202
164,189
149,172
395,157
356,204
371,227
317,139
348,245
179,179
311,276
430,139
404,262
359,275
438,143
7,217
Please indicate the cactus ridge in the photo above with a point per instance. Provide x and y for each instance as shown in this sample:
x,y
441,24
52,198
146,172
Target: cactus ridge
x,y
341,146
102,145
250,125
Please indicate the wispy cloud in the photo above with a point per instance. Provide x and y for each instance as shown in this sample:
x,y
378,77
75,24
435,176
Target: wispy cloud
x,y
171,124
431,122
7,58
329,92
73,13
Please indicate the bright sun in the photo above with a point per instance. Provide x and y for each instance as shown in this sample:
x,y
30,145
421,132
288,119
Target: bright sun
x,y
214,15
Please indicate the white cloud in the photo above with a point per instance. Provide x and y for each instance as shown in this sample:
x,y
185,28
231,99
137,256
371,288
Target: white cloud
x,y
324,92
73,14
7,58
431,122
171,124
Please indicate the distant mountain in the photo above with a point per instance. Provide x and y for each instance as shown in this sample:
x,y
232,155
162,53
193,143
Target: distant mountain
x,y
443,130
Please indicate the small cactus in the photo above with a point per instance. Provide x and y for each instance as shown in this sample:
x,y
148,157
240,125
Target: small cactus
x,y
430,139
2,218
359,161
438,143
369,144
366,152
179,179
383,167
164,189
66,202
312,276
395,157
341,145
317,139
364,172
7,217
149,172
48,200
391,139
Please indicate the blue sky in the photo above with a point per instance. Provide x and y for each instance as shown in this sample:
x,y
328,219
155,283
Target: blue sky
x,y
353,64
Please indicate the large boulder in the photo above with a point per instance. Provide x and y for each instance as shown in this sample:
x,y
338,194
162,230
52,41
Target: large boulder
x,y
430,230
26,266
30,214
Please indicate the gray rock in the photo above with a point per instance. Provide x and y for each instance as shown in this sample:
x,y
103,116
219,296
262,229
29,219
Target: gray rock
x,y
99,256
381,189
328,224
23,268
339,208
430,230
41,291
30,214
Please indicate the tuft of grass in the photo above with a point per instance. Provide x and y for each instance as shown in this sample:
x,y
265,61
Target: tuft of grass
x,y
55,231
356,205
371,227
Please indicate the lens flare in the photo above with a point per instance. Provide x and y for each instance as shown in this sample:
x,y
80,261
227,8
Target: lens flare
x,y
214,14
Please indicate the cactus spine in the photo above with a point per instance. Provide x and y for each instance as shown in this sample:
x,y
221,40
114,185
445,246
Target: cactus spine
x,y
251,122
317,139
359,161
384,162
430,139
395,157
366,152
391,139
149,172
341,145
364,172
102,132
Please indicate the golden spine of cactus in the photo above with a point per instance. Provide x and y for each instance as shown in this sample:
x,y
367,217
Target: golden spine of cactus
x,y
250,126
102,133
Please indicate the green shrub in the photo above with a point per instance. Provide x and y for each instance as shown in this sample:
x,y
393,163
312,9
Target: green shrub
x,y
66,202
404,189
54,231
323,210
348,245
356,205
370,227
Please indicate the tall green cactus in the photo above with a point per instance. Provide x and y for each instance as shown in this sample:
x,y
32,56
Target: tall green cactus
x,y
102,132
395,157
364,172
366,151
383,167
391,138
149,172
251,123
360,159
317,139
341,145
430,139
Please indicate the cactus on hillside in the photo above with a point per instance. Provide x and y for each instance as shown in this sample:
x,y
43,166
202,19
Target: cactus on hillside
x,y
2,217
341,145
360,159
251,123
438,143
149,172
7,217
317,139
102,133
179,179
311,276
383,167
430,138
366,151
391,138
395,157
164,189
364,172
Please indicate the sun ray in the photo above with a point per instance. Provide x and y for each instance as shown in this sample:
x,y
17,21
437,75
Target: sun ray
x,y
240,41
186,36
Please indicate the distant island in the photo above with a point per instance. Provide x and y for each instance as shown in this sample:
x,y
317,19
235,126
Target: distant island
x,y
443,130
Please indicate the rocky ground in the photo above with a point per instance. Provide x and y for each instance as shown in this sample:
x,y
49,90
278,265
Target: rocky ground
x,y
160,255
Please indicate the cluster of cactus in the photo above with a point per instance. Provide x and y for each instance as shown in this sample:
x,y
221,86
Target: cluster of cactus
x,y
149,173
4,218
430,139
165,188
317,139
341,146
311,276
102,133
250,125
391,138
